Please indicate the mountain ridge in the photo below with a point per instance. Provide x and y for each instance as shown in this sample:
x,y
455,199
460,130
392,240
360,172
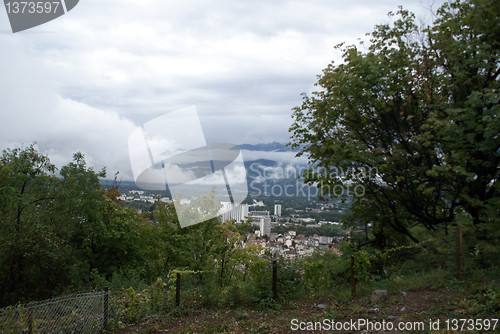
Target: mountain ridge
x,y
266,147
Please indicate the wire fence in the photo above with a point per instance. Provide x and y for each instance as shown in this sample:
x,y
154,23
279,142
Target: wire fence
x,y
78,313
262,282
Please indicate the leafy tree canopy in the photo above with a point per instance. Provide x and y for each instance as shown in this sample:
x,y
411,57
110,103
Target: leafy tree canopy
x,y
413,121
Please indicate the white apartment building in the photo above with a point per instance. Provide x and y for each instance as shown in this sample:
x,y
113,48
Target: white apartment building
x,y
277,210
237,212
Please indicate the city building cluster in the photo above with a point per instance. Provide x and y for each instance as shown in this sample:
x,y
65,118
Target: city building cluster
x,y
140,196
291,245
242,212
288,244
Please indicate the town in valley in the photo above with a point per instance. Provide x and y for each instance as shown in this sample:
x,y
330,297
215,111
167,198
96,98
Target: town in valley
x,y
286,227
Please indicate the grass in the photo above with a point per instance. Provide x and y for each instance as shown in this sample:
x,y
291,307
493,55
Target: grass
x,y
424,295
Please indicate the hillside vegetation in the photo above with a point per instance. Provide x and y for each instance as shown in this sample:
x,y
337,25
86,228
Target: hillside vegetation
x,y
418,105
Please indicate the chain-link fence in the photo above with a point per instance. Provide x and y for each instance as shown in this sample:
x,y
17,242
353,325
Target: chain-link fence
x,y
78,313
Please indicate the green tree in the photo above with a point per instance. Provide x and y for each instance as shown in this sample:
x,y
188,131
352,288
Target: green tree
x,y
30,251
464,45
59,233
104,236
412,122
192,247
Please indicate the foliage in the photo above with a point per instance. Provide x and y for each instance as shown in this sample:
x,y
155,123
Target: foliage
x,y
31,250
62,233
413,122
65,232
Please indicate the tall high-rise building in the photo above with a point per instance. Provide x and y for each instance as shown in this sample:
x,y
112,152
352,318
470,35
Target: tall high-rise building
x,y
277,210
265,226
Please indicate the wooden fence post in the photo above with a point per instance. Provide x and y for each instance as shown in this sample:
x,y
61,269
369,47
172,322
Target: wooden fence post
x,y
275,279
178,290
30,318
353,278
459,250
105,316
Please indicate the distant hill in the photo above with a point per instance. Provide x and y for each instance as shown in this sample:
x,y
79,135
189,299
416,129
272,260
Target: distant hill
x,y
267,173
269,147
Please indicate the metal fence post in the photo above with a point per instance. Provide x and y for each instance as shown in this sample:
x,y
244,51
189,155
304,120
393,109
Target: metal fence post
x,y
30,319
105,317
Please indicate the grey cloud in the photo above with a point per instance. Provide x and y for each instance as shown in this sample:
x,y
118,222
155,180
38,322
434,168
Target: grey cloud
x,y
83,81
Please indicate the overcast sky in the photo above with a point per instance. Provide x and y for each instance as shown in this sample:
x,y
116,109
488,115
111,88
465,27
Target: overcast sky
x,y
85,81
